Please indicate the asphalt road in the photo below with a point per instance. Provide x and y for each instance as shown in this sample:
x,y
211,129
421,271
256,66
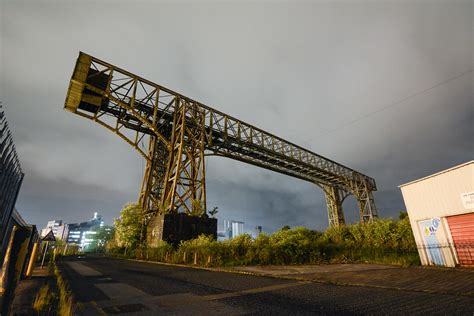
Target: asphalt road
x,y
114,286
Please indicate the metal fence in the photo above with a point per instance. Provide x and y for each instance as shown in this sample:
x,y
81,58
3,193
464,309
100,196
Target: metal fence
x,y
11,177
461,253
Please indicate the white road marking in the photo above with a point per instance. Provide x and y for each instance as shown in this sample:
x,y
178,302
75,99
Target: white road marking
x,y
82,269
120,291
121,294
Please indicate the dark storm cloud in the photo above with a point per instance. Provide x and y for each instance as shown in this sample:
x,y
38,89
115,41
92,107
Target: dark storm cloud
x,y
297,70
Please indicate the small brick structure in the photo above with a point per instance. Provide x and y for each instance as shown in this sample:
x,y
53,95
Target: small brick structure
x,y
175,227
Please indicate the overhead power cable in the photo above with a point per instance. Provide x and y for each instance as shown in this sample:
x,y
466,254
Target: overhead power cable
x,y
396,103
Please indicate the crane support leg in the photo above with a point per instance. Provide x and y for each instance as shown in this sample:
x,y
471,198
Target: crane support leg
x,y
367,208
184,186
153,177
334,204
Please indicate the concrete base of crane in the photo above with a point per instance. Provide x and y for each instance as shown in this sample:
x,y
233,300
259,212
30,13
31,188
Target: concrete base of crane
x,y
175,227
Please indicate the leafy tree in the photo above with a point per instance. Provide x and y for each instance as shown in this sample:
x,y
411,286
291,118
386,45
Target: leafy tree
x,y
128,226
402,215
286,227
102,237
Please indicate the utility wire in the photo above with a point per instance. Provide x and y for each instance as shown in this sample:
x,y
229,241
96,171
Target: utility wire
x,y
393,104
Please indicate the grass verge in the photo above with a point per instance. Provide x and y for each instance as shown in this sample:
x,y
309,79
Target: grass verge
x,y
65,306
55,298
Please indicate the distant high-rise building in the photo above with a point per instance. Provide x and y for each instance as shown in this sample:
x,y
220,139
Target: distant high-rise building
x,y
83,233
62,232
232,229
237,228
227,229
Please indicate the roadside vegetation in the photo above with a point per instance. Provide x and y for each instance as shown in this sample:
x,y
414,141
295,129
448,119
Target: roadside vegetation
x,y
44,300
65,306
381,241
55,297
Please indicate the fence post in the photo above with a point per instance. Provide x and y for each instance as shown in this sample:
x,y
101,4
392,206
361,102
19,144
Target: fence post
x,y
33,258
195,258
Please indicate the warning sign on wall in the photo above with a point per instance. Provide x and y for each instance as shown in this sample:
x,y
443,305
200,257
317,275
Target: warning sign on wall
x,y
468,200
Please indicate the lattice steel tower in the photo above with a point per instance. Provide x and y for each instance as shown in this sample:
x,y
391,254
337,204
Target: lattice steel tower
x,y
180,132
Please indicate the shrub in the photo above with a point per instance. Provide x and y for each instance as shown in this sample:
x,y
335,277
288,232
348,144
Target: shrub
x,y
200,247
160,252
293,245
262,250
380,241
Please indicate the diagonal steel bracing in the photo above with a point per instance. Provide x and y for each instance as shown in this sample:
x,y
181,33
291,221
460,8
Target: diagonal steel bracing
x,y
180,132
184,183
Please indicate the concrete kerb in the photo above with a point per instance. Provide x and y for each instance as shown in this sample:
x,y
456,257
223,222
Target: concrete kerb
x,y
296,278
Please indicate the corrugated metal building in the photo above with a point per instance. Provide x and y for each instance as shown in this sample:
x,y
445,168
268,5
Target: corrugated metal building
x,y
441,212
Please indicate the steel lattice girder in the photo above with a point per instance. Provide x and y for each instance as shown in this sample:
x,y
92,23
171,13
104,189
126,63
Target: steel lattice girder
x,y
139,110
185,179
154,174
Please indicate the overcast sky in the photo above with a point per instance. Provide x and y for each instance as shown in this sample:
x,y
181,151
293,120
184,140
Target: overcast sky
x,y
383,87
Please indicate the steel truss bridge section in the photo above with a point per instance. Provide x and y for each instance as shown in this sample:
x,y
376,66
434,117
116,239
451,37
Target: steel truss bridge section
x,y
179,132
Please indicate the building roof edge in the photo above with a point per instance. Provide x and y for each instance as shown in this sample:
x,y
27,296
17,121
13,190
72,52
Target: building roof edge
x,y
437,173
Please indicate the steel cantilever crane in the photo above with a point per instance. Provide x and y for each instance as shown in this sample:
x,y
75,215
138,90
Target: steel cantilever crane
x,y
180,132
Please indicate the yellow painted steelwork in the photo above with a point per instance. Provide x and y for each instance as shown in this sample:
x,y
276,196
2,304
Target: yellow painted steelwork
x,y
180,132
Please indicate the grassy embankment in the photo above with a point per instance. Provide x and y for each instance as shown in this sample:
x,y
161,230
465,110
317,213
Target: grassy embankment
x,y
381,241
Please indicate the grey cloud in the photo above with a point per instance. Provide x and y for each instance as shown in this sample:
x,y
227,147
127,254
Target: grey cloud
x,y
294,69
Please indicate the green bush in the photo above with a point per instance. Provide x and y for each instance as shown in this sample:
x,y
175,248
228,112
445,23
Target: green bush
x,y
291,246
160,252
380,241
